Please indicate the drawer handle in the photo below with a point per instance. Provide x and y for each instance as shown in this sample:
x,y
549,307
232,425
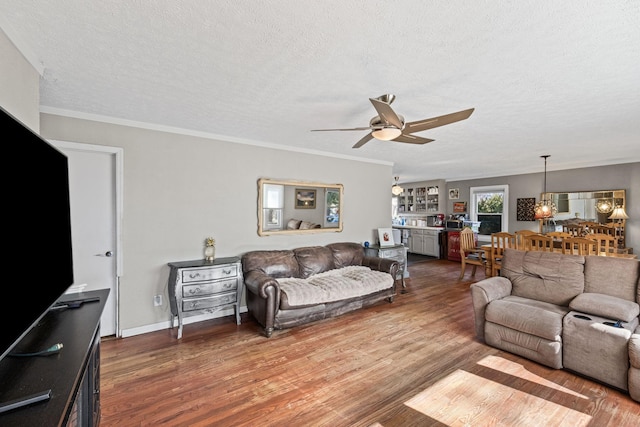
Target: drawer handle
x,y
194,275
194,291
226,271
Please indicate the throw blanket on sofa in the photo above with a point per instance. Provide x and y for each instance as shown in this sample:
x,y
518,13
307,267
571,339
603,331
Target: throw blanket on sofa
x,y
334,285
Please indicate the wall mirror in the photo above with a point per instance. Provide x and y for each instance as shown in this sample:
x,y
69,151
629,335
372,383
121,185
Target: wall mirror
x,y
595,206
298,207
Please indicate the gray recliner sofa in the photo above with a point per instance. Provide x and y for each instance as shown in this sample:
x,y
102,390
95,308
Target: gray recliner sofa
x,y
579,313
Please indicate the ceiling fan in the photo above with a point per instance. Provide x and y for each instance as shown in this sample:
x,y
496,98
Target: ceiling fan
x,y
389,126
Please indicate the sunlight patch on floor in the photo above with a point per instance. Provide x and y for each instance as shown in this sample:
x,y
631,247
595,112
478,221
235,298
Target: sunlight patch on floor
x,y
517,370
465,399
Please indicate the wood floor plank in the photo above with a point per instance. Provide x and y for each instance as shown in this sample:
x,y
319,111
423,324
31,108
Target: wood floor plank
x,y
413,362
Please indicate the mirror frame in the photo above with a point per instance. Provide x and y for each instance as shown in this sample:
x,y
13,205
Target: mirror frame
x,y
297,184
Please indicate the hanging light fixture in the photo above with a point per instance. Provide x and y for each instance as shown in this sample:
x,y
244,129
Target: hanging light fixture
x,y
604,205
396,190
545,208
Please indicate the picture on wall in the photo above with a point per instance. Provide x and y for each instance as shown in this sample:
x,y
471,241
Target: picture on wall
x,y
454,193
305,199
460,207
525,209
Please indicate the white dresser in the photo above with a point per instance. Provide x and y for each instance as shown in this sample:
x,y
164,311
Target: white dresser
x,y
199,286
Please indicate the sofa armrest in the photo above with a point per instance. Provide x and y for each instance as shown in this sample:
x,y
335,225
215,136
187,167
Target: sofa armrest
x,y
386,265
482,293
261,284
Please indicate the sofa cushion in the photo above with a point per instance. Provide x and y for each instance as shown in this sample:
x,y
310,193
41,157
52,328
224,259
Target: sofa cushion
x,y
544,276
307,225
275,263
606,306
528,316
333,285
613,276
346,253
313,260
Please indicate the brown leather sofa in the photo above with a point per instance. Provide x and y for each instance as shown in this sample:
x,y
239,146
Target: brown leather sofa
x,y
286,288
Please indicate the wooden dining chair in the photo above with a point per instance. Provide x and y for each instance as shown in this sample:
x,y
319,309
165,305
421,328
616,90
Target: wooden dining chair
x,y
557,237
499,242
579,246
602,229
470,253
538,242
520,237
574,229
589,224
606,244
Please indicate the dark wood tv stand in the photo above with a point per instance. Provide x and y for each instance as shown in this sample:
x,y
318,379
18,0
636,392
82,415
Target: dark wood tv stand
x,y
72,375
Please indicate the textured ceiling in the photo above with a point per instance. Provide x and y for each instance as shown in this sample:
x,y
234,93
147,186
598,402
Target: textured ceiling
x,y
545,77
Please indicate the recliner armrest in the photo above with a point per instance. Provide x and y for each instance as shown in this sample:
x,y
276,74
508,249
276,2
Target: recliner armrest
x,y
482,293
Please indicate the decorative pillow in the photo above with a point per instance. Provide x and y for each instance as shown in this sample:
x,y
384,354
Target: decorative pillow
x,y
606,306
293,224
306,225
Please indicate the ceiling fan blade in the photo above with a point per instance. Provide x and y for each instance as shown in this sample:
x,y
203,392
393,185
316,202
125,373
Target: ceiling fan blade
x,y
435,122
322,130
363,141
386,113
412,139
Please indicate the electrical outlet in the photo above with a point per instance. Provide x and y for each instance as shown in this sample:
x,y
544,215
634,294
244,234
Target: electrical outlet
x,y
157,300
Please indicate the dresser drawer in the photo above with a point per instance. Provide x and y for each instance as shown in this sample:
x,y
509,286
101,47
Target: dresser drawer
x,y
213,273
209,302
202,289
397,254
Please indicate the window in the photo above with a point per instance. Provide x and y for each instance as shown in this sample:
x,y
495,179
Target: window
x,y
490,206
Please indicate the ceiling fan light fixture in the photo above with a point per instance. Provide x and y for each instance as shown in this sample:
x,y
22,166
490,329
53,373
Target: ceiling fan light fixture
x,y
386,133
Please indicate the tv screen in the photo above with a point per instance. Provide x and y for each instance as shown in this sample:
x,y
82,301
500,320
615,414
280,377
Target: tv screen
x,y
38,266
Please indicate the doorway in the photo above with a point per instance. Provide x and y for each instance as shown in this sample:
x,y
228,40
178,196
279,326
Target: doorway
x,y
95,182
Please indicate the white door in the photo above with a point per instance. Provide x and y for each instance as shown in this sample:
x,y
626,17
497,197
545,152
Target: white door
x,y
94,212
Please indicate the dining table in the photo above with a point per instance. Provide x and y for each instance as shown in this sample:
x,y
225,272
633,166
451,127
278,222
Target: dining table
x,y
621,253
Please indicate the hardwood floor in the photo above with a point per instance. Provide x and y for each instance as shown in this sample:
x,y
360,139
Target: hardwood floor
x,y
413,362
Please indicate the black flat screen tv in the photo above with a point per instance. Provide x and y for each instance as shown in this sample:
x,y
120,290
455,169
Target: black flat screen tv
x,y
38,265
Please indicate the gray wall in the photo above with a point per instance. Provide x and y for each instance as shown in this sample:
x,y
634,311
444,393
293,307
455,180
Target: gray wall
x,y
180,189
614,177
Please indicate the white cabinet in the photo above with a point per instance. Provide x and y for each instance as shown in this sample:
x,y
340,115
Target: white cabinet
x,y
425,242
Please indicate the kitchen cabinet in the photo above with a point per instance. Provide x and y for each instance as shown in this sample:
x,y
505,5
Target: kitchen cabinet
x,y
422,198
425,242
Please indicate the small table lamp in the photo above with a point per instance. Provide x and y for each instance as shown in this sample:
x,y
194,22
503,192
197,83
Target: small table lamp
x,y
619,214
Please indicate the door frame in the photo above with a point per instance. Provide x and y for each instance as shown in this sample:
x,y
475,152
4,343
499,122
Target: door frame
x,y
118,154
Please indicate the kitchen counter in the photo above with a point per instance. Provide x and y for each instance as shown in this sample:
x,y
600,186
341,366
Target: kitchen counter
x,y
418,227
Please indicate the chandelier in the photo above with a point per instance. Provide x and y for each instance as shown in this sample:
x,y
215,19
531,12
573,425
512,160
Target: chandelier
x,y
396,190
545,208
604,206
